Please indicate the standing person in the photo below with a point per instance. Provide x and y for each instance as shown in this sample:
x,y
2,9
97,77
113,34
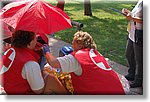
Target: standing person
x,y
134,49
20,69
90,73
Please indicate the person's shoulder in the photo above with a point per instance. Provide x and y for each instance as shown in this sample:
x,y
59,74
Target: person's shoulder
x,y
31,64
30,67
81,53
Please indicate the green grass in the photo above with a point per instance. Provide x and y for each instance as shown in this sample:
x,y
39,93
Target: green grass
x,y
107,27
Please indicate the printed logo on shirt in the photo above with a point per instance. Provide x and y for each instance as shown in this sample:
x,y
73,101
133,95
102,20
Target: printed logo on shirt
x,y
96,58
8,58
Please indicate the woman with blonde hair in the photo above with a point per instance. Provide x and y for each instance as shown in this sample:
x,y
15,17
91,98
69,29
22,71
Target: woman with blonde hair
x,y
90,73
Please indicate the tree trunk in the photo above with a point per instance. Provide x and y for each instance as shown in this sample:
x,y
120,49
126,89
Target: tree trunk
x,y
87,8
61,4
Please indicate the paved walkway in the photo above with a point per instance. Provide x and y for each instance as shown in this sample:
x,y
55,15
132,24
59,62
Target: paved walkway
x,y
56,44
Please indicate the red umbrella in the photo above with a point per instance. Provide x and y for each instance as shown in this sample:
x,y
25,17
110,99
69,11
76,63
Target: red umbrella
x,y
35,15
6,30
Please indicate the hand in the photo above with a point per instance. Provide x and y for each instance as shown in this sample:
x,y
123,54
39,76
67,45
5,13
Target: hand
x,y
129,17
125,11
46,48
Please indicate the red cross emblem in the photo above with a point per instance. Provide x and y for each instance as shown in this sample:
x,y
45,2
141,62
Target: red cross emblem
x,y
8,59
99,60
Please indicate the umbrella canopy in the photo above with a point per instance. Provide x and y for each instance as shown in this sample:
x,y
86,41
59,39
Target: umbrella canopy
x,y
6,30
35,15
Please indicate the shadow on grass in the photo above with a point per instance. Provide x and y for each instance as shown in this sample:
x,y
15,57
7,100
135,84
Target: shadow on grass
x,y
107,27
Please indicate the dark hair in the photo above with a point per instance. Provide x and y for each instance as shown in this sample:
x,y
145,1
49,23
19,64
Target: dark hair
x,y
8,40
22,38
40,40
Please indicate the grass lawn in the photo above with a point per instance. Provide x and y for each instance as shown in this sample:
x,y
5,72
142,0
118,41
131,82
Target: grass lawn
x,y
107,27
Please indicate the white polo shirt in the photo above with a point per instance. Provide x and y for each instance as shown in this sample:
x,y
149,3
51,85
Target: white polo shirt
x,y
70,64
136,12
32,73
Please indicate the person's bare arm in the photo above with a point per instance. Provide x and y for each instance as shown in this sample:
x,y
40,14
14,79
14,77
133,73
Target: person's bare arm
x,y
135,19
129,17
52,60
